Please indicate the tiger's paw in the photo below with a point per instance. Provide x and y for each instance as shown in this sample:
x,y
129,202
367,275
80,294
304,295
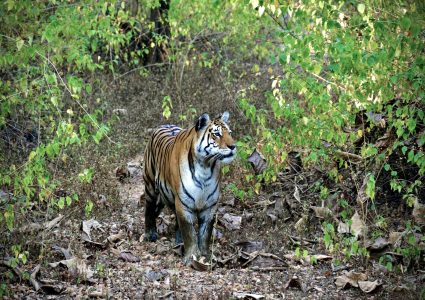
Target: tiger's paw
x,y
187,260
190,256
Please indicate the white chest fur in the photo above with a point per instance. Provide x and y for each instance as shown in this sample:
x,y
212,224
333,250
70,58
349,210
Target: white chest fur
x,y
199,188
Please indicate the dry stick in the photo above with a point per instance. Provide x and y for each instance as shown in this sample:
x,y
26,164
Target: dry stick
x,y
180,79
140,68
20,273
213,241
327,81
286,27
348,155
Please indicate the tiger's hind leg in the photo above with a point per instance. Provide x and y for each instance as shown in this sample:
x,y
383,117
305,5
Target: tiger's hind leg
x,y
153,207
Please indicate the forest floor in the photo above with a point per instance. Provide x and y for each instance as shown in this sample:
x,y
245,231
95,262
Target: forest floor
x,y
104,256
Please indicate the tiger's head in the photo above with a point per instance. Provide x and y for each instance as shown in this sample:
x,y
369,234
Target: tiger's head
x,y
214,141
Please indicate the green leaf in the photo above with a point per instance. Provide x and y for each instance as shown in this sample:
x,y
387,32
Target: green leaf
x,y
32,155
404,150
411,124
19,44
370,187
410,156
361,8
9,215
405,23
61,202
68,200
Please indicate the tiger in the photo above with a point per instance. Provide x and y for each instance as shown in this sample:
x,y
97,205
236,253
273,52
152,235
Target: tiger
x,y
182,169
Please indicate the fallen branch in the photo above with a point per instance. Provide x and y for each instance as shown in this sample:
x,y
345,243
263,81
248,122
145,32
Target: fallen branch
x,y
302,239
267,269
351,156
46,226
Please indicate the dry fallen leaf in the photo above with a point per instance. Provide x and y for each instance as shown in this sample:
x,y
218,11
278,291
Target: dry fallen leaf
x,y
358,227
379,244
250,246
76,266
87,227
362,196
200,264
258,162
343,228
113,238
322,212
351,278
368,286
232,222
395,238
301,224
306,260
128,256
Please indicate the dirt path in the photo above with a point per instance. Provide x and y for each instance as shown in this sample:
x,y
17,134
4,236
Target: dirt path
x,y
254,241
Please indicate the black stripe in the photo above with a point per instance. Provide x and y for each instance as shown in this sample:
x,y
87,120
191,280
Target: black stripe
x,y
213,192
200,143
212,170
185,191
210,206
185,205
192,168
148,180
151,197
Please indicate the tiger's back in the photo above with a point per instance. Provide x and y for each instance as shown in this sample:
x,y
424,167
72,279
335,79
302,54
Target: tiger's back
x,y
182,170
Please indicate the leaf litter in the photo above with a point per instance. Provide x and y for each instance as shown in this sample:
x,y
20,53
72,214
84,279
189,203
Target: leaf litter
x,y
126,267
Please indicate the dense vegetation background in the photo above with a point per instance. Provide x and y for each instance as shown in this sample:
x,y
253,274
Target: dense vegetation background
x,y
330,88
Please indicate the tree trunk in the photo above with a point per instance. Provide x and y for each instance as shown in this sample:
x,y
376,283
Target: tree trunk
x,y
159,16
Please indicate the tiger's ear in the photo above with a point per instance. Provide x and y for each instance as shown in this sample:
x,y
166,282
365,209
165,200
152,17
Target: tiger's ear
x,y
225,117
202,122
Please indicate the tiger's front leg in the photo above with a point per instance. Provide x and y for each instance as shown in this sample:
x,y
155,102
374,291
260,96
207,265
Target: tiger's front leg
x,y
206,224
186,219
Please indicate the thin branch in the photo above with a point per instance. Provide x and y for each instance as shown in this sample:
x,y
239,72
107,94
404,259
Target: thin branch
x,y
70,93
284,27
140,68
327,81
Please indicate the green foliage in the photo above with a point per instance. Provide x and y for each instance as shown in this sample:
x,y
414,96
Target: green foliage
x,y
88,208
233,21
387,261
47,48
86,176
340,60
329,236
167,105
239,193
413,250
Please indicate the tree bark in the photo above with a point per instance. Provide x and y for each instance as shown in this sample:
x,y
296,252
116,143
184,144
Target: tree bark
x,y
159,16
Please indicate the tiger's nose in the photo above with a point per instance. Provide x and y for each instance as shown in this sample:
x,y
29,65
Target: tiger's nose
x,y
231,147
